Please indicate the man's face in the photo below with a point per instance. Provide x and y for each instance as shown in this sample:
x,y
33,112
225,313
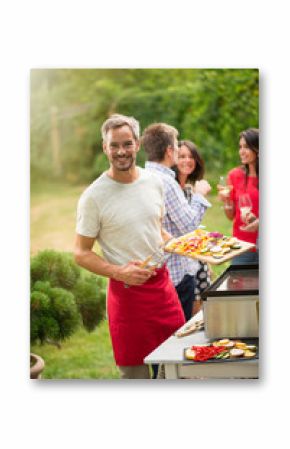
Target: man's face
x,y
121,148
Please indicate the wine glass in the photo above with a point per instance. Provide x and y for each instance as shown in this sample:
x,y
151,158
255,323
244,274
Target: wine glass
x,y
225,190
245,206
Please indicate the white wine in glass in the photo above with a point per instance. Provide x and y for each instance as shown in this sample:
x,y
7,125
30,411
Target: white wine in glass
x,y
245,206
225,190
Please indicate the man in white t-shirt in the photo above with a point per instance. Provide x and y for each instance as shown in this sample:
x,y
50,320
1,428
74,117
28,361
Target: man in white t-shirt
x,y
123,211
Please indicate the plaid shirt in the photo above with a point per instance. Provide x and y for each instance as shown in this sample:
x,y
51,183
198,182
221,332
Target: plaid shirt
x,y
180,218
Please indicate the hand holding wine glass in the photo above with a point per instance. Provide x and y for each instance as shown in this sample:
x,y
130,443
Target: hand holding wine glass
x,y
245,206
252,223
224,190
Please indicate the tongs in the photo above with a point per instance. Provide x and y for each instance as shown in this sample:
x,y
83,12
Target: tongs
x,y
190,329
159,258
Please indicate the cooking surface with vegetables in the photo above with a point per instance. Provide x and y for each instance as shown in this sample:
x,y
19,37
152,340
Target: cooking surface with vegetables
x,y
201,244
222,350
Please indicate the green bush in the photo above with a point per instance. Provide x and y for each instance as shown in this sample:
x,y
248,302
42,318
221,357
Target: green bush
x,y
54,314
90,297
62,296
64,311
56,267
43,326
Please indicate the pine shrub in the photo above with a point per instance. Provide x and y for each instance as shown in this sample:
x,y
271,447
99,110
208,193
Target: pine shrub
x,y
90,297
62,297
56,267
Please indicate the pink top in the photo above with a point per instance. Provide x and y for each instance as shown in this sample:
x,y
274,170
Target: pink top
x,y
237,178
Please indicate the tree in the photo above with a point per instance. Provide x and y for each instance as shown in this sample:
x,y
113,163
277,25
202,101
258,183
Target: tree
x,y
208,106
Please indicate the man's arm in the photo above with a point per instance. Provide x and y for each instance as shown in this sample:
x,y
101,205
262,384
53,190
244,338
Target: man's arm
x,y
165,235
186,217
130,273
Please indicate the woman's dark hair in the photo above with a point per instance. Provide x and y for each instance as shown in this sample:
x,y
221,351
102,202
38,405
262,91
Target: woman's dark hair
x,y
251,137
198,172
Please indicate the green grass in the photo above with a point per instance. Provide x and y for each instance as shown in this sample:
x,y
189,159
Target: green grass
x,y
84,355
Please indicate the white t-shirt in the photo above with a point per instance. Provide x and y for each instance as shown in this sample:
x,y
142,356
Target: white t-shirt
x,y
125,219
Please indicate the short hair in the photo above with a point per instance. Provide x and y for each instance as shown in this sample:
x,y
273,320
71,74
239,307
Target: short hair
x,y
118,120
156,138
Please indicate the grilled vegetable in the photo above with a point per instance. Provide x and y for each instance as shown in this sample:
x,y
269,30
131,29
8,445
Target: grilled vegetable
x,y
235,352
251,347
230,344
236,246
201,242
240,345
224,341
222,355
249,354
190,354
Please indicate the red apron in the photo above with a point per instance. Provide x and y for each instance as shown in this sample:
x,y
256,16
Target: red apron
x,y
142,317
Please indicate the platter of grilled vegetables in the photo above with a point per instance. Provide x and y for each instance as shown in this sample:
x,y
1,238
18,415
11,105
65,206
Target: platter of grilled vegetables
x,y
211,247
222,350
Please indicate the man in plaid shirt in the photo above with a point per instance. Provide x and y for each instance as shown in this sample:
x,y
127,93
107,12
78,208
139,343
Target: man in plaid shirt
x,y
160,143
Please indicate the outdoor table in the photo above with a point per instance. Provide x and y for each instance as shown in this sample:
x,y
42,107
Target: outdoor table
x,y
171,354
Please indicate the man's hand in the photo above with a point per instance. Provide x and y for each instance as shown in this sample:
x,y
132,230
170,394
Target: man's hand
x,y
133,274
202,187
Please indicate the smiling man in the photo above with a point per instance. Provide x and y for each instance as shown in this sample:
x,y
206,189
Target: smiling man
x,y
123,211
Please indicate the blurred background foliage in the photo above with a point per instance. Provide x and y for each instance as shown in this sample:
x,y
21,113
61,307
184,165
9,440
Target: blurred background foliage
x,y
68,106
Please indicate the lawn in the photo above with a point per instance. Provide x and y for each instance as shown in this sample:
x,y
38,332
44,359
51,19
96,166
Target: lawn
x,y
85,355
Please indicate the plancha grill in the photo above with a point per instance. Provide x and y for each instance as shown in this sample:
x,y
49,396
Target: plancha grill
x,y
231,304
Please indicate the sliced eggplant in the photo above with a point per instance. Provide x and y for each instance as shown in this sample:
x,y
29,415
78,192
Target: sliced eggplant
x,y
235,352
223,341
217,256
216,249
230,344
251,347
236,246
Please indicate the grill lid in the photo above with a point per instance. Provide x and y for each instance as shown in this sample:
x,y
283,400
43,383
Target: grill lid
x,y
234,281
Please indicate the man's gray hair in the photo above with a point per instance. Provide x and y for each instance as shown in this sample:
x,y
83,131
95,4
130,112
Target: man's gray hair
x,y
118,120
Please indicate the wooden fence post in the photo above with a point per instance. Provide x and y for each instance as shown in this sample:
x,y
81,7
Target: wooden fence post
x,y
55,141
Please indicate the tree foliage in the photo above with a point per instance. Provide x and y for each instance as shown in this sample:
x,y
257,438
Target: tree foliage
x,y
208,106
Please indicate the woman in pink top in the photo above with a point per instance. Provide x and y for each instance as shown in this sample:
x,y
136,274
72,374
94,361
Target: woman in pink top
x,y
244,181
